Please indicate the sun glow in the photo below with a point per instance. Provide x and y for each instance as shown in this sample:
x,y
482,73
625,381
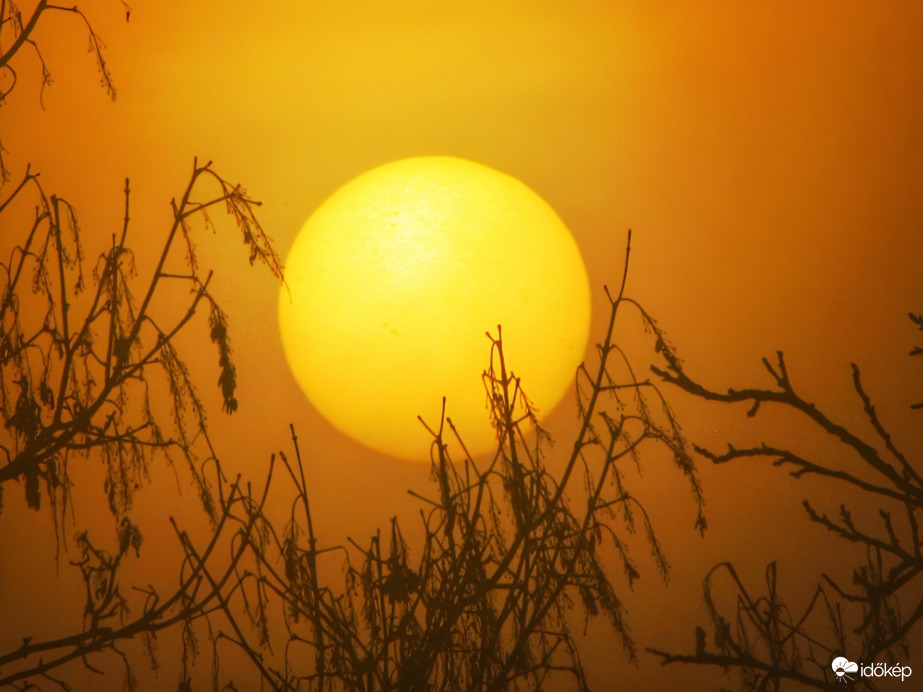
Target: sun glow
x,y
393,283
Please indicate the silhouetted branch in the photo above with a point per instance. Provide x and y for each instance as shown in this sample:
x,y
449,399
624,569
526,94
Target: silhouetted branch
x,y
890,575
17,31
71,359
72,370
508,550
107,621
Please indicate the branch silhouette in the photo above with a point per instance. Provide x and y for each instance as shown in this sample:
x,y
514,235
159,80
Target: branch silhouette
x,y
766,644
79,358
17,32
508,551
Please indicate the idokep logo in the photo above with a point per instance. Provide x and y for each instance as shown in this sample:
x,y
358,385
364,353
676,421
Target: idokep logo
x,y
847,671
843,667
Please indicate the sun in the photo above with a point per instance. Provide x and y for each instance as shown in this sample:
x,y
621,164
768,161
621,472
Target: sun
x,y
393,283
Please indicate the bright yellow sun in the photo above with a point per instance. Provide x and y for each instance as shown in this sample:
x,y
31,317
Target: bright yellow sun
x,y
393,283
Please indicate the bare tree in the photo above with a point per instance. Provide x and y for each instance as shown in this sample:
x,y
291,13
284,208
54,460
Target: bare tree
x,y
509,551
505,555
760,635
76,356
512,556
82,348
512,559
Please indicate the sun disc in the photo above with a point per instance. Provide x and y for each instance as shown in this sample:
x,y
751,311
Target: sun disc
x,y
393,282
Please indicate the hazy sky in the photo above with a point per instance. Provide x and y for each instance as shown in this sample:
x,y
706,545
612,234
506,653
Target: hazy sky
x,y
768,157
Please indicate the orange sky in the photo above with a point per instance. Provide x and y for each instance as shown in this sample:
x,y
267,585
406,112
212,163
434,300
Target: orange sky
x,y
767,156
